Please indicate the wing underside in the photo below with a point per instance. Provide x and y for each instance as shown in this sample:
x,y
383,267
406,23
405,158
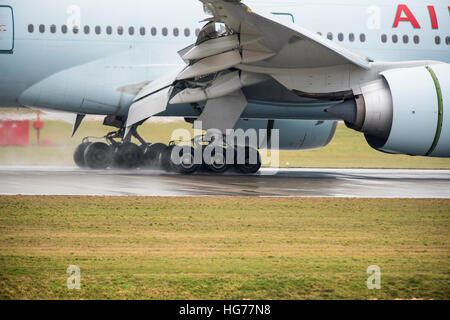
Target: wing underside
x,y
237,48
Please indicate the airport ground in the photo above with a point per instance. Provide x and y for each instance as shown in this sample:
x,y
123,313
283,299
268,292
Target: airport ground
x,y
223,248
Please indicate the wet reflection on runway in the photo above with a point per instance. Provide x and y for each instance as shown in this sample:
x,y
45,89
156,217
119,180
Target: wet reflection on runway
x,y
360,183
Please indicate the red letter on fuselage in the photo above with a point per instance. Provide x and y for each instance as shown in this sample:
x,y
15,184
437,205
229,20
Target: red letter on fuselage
x,y
434,21
409,17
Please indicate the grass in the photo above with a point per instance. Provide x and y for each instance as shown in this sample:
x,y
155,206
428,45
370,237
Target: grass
x,y
223,248
348,150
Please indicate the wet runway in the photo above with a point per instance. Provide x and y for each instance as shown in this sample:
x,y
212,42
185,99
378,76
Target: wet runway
x,y
344,183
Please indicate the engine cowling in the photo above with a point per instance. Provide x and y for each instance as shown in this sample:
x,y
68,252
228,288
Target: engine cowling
x,y
406,112
293,134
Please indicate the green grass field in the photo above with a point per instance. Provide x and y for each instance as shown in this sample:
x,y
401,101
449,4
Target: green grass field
x,y
348,150
223,248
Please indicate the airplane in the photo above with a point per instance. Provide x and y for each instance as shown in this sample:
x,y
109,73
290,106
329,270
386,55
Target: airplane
x,y
295,67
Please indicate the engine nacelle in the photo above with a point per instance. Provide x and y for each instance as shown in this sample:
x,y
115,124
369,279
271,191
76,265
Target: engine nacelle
x,y
293,134
407,112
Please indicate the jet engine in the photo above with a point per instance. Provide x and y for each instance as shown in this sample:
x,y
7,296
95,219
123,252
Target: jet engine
x,y
289,134
405,112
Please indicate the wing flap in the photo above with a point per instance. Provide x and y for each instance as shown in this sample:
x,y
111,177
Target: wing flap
x,y
281,36
148,107
246,39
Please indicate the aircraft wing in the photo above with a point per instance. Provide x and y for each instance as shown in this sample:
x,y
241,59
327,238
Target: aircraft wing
x,y
239,47
292,46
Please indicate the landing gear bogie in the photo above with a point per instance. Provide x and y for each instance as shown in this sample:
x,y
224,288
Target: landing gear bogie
x,y
183,157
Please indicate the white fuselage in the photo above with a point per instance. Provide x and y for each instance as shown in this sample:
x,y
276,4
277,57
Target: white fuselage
x,y
154,31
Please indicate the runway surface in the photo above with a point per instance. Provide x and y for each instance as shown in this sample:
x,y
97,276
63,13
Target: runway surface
x,y
344,183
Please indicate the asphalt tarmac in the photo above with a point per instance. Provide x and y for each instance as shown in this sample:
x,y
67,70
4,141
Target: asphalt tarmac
x,y
336,183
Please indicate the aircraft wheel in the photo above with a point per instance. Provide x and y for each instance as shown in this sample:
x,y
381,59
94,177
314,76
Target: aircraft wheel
x,y
217,162
249,166
186,157
166,163
128,156
78,156
97,156
152,155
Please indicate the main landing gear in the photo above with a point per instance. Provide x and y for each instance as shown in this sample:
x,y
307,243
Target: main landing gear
x,y
120,154
178,157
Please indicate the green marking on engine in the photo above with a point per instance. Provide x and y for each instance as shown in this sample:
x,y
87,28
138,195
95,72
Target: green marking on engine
x,y
440,111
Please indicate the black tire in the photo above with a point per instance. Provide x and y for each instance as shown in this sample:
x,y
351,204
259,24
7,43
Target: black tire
x,y
152,155
128,156
166,163
144,146
249,166
78,156
186,156
218,162
98,156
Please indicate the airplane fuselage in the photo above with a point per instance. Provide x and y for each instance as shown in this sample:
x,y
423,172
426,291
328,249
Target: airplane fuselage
x,y
103,49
